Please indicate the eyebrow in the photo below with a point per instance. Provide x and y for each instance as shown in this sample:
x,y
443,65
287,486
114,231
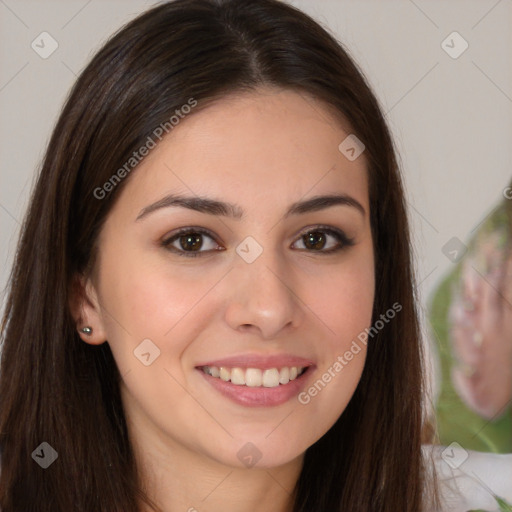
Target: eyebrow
x,y
215,207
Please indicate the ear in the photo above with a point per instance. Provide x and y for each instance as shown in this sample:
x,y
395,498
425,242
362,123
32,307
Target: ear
x,y
86,310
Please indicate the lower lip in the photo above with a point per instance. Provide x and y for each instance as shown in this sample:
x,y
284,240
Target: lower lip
x,y
258,396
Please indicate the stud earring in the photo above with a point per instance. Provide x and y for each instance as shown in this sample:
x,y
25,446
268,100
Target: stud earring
x,y
86,330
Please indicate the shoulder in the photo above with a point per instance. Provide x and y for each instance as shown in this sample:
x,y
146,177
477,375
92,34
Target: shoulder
x,y
470,480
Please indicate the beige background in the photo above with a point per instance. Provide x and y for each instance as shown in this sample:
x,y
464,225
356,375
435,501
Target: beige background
x,y
452,118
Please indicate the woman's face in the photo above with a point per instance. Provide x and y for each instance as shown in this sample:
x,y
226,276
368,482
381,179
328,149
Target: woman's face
x,y
255,289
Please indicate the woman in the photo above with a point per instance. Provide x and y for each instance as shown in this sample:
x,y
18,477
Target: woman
x,y
212,305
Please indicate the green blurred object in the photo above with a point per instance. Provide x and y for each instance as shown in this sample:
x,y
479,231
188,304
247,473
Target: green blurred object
x,y
455,421
504,506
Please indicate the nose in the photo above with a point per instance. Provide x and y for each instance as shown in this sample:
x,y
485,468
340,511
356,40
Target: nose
x,y
263,297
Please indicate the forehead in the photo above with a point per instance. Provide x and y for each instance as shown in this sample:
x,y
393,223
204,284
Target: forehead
x,y
261,148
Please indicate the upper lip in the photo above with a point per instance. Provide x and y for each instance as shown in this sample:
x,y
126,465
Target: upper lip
x,y
259,361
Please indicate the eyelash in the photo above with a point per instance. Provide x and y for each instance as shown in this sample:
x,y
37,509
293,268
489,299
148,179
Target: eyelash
x,y
341,237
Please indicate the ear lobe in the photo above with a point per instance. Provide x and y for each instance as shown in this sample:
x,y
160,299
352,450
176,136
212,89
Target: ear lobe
x,y
86,311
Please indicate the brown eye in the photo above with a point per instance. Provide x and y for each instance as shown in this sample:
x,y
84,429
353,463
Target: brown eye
x,y
191,242
314,240
318,240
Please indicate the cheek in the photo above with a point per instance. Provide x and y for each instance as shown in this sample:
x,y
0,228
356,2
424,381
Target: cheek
x,y
343,299
147,301
341,358
144,299
344,305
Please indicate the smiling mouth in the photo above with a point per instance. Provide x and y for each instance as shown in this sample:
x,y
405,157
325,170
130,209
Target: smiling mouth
x,y
255,377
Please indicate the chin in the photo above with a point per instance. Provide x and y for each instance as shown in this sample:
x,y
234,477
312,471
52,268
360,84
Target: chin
x,y
262,452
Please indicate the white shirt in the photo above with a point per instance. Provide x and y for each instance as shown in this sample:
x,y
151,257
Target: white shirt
x,y
468,479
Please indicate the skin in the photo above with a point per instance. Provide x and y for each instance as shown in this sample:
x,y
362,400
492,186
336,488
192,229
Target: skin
x,y
264,151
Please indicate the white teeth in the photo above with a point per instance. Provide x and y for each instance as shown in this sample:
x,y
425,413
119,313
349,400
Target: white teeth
x,y
254,377
212,370
224,374
271,378
237,376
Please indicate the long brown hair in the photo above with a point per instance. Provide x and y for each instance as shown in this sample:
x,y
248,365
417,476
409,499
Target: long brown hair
x,y
57,389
